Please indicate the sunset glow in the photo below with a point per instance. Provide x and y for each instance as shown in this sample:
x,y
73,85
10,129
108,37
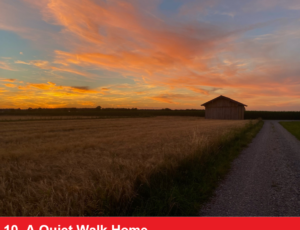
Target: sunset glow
x,y
149,53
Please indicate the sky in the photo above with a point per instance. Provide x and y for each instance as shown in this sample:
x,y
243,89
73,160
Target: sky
x,y
147,54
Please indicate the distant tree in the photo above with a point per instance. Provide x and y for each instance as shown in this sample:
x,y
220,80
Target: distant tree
x,y
29,108
98,107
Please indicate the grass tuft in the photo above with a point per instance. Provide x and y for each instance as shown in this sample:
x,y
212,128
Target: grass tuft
x,y
293,127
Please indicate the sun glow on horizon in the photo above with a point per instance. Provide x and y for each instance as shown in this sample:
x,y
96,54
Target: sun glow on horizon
x,y
149,54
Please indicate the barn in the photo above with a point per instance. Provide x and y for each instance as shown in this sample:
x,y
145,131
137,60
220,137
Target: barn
x,y
224,108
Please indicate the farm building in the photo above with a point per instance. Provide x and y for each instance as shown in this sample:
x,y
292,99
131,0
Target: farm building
x,y
224,108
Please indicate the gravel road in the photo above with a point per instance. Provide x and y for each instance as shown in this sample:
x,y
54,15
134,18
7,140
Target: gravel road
x,y
264,180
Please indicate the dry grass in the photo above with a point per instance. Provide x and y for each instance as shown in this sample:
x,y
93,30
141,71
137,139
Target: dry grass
x,y
68,167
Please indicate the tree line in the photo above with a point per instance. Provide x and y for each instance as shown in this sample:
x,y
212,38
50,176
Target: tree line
x,y
135,112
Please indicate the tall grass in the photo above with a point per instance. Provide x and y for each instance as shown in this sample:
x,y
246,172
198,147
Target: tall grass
x,y
180,187
93,167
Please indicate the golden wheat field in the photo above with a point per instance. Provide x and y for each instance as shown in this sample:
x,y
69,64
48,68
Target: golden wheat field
x,y
64,167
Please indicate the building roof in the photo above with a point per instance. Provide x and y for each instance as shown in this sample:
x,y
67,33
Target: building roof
x,y
223,97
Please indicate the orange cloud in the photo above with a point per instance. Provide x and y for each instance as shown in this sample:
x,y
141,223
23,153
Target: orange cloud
x,y
180,56
70,71
2,90
10,85
197,90
88,103
51,83
140,93
9,80
163,99
52,95
41,86
139,45
46,65
158,53
50,86
4,65
169,98
83,89
38,63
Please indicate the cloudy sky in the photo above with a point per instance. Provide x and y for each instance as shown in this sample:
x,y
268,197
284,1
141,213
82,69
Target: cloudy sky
x,y
149,53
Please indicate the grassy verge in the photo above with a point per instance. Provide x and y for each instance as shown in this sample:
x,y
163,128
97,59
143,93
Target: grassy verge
x,y
293,127
181,190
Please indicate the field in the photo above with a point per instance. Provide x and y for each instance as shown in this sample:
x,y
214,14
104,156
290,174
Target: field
x,y
82,167
293,127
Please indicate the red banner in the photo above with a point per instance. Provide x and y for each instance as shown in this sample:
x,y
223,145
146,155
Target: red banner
x,y
147,223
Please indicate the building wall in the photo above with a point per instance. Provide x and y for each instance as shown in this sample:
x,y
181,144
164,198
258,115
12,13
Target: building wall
x,y
224,109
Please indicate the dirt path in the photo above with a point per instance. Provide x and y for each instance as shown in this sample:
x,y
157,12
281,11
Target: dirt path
x,y
264,179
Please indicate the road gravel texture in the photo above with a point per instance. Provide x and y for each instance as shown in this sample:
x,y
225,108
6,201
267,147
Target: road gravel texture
x,y
264,180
